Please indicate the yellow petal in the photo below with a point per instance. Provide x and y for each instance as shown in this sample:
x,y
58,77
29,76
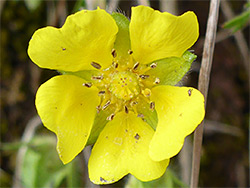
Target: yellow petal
x,y
68,109
155,35
122,148
180,110
87,36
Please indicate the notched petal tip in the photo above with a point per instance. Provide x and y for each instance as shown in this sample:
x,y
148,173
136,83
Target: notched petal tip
x,y
180,110
74,46
71,120
155,35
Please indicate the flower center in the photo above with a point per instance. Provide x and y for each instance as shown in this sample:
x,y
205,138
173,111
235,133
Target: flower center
x,y
124,85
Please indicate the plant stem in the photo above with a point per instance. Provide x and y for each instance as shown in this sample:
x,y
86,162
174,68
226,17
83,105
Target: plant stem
x,y
203,84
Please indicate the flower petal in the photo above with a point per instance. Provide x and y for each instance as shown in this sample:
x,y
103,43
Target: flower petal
x,y
155,35
180,110
86,37
68,109
122,148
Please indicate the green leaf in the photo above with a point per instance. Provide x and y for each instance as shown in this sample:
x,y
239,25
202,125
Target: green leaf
x,y
122,43
32,4
239,21
41,166
78,5
170,70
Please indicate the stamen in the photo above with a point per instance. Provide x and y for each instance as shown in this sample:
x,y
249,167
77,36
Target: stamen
x,y
157,80
130,52
98,108
87,85
133,103
96,65
106,105
115,65
152,105
101,92
113,52
153,65
136,65
144,76
111,117
126,109
97,77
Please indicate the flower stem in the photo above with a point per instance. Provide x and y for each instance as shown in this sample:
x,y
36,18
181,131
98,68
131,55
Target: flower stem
x,y
204,76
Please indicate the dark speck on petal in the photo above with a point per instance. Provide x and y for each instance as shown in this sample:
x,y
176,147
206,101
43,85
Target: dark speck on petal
x,y
137,136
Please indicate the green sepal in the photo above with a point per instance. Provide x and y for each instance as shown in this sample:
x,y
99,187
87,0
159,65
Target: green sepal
x,y
122,42
170,70
99,123
149,116
85,74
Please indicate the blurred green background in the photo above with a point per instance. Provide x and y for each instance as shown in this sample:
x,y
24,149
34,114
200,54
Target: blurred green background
x,y
28,155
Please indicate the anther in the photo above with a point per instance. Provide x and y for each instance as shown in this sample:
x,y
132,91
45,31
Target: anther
x,y
152,105
126,109
106,105
111,117
101,92
133,103
98,108
113,52
143,76
87,85
96,65
115,65
153,65
157,80
130,52
97,77
136,65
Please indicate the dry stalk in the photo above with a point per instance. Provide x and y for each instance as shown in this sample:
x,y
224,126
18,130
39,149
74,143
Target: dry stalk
x,y
204,76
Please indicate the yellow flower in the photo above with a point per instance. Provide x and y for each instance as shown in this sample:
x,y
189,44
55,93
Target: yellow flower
x,y
117,89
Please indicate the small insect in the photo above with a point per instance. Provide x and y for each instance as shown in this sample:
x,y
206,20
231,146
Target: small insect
x,y
189,92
